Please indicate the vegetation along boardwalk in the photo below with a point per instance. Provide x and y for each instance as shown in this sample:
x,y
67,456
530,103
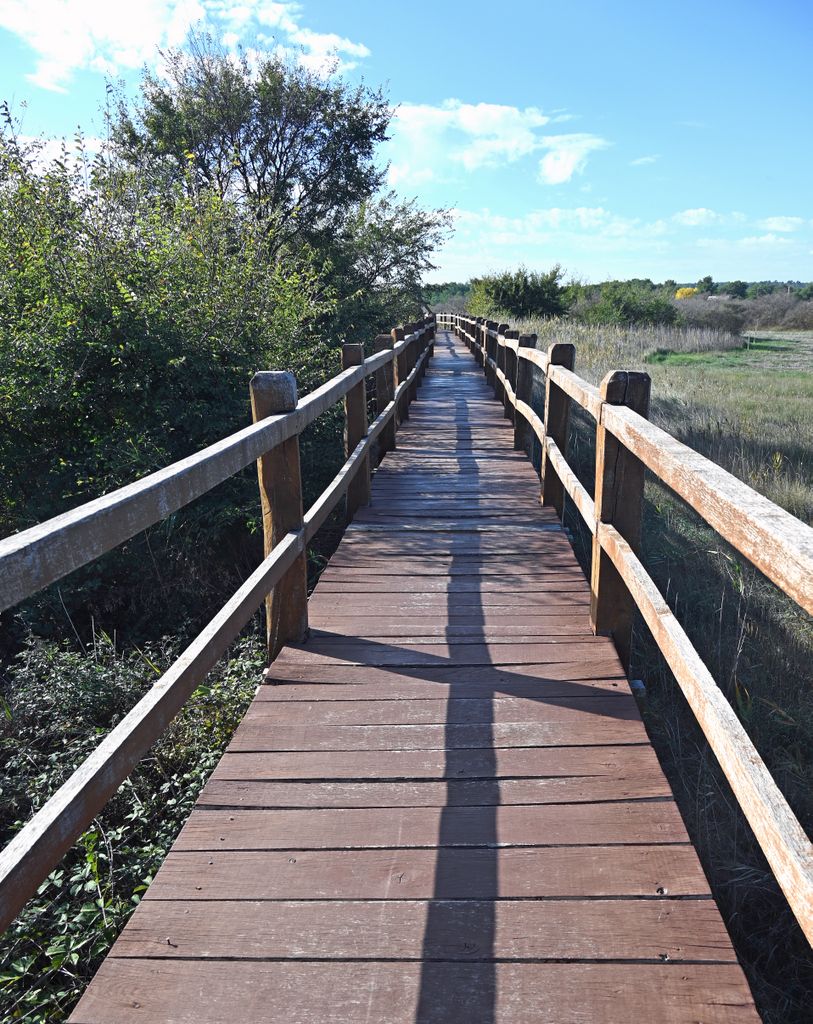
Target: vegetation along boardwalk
x,y
445,806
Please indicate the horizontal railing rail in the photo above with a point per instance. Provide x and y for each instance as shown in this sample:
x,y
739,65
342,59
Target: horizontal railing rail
x,y
773,540
37,557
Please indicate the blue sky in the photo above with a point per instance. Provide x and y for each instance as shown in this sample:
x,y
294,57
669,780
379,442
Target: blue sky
x,y
620,139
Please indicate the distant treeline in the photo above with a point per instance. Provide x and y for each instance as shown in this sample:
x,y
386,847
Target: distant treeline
x,y
731,306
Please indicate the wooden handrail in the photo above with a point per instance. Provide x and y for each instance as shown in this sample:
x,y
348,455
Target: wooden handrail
x,y
27,564
43,554
777,543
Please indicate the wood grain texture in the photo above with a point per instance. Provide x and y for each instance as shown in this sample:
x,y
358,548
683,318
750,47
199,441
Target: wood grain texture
x,y
205,992
619,496
654,930
658,872
280,483
444,805
777,543
363,828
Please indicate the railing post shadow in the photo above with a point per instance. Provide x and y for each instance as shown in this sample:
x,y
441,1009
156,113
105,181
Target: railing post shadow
x,y
355,430
557,424
280,480
619,492
384,391
523,434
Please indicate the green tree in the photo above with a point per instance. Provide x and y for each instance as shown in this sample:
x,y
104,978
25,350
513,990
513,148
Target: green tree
x,y
520,293
706,285
736,289
291,146
759,288
297,153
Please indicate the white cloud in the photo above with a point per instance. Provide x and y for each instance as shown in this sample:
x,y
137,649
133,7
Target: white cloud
x,y
780,223
770,240
470,136
482,135
567,156
698,217
642,160
97,35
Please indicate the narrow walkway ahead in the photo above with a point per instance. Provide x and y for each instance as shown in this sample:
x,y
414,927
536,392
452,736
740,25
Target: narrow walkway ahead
x,y
448,809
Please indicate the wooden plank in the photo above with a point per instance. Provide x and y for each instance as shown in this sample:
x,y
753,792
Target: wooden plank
x,y
619,705
472,628
573,726
209,992
540,651
467,763
360,828
226,793
661,873
291,680
455,930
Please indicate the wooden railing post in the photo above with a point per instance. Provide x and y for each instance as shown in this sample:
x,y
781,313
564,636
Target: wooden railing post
x,y
498,355
278,472
400,366
490,352
430,344
510,370
355,429
619,495
384,391
412,359
523,434
557,423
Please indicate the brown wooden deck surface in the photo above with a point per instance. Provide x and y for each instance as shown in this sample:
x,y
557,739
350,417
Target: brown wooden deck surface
x,y
448,809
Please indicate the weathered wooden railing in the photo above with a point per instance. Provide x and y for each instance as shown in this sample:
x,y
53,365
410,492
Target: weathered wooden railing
x,y
37,557
777,543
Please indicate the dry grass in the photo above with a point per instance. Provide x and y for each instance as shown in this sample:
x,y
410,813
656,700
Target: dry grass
x,y
749,411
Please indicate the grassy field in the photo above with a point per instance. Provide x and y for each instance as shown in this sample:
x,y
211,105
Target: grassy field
x,y
749,409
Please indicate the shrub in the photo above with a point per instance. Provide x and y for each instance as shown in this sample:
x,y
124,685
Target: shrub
x,y
520,293
626,303
685,293
715,314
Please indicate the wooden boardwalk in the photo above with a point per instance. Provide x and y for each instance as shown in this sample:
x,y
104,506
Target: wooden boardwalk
x,y
448,809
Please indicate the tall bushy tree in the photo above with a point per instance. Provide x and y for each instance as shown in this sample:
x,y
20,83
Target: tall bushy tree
x,y
519,293
297,152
